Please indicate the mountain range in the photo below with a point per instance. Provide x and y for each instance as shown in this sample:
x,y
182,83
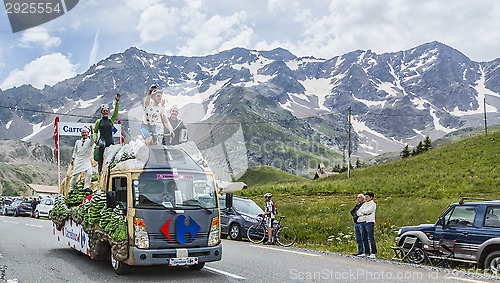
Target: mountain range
x,y
246,107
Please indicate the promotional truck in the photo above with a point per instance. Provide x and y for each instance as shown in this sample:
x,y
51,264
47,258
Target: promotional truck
x,y
151,205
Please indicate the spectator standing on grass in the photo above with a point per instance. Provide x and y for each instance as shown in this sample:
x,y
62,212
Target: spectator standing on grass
x,y
357,225
366,217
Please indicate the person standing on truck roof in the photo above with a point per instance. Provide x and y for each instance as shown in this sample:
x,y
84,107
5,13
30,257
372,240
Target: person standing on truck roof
x,y
104,127
357,225
366,215
178,134
155,115
82,154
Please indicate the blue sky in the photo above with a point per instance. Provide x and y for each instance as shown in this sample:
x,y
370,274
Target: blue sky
x,y
93,30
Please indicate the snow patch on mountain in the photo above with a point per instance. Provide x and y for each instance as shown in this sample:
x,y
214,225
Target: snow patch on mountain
x,y
370,103
320,88
86,103
36,129
482,91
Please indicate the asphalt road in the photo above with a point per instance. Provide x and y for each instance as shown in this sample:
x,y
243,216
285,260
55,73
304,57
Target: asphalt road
x,y
30,253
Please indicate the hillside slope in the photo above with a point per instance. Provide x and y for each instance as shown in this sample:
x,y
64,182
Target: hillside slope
x,y
463,168
264,175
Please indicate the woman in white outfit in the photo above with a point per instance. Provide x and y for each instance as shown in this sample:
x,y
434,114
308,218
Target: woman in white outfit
x,y
82,154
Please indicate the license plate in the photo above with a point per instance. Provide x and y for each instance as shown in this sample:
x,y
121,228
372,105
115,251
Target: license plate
x,y
183,261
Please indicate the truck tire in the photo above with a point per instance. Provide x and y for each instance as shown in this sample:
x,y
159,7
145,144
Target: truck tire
x,y
119,267
198,266
235,232
492,261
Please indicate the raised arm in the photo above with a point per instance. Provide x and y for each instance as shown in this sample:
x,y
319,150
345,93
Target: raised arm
x,y
96,127
148,96
115,111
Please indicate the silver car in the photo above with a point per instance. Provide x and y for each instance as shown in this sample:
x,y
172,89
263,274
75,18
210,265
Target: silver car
x,y
44,208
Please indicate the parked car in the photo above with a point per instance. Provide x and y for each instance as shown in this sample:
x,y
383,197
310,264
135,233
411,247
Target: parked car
x,y
11,208
19,208
473,227
6,202
237,215
44,208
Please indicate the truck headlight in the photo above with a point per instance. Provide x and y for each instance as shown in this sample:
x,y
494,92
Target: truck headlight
x,y
214,235
141,237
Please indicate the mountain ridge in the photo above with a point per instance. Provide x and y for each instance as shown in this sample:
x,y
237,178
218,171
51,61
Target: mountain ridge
x,y
396,98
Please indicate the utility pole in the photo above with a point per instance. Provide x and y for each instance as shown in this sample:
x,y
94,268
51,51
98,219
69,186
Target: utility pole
x,y
485,125
349,148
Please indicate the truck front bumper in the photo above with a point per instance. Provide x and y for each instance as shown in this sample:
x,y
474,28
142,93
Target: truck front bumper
x,y
163,256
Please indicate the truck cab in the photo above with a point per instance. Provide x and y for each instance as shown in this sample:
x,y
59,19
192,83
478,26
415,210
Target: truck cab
x,y
474,227
171,209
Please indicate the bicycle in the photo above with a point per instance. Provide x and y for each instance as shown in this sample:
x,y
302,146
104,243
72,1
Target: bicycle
x,y
285,236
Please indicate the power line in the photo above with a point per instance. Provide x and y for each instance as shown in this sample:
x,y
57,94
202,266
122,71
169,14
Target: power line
x,y
264,121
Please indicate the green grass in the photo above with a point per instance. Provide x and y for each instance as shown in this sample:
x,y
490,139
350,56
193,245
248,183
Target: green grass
x,y
408,192
261,175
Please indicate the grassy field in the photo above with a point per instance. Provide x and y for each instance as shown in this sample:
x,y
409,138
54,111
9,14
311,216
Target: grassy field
x,y
408,192
265,175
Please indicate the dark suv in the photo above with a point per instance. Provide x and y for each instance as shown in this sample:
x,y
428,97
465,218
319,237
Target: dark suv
x,y
473,226
237,215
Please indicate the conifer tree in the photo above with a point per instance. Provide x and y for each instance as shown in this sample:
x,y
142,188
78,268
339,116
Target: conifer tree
x,y
405,152
427,144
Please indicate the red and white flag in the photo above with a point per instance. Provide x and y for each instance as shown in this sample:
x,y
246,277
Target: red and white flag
x,y
56,141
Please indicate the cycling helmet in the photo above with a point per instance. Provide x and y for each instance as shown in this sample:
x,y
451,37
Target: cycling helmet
x,y
268,195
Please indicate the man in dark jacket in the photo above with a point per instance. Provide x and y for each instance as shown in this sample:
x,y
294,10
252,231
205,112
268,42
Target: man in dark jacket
x,y
357,225
178,134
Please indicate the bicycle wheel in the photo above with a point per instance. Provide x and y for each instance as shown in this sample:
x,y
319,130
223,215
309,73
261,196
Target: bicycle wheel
x,y
286,236
256,233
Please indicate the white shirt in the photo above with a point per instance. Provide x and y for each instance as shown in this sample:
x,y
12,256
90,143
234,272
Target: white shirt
x,y
366,212
269,207
153,113
82,152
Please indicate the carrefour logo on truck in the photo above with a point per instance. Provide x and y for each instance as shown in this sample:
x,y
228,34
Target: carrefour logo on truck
x,y
181,229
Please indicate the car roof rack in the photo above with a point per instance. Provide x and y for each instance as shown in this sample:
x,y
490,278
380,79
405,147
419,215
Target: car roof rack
x,y
461,202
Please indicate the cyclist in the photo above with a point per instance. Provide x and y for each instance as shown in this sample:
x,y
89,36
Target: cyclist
x,y
269,215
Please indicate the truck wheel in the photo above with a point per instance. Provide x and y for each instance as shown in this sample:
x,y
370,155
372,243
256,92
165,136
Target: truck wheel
x,y
119,267
492,262
235,232
198,266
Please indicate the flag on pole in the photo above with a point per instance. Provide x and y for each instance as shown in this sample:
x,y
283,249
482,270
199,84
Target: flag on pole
x,y
122,140
56,141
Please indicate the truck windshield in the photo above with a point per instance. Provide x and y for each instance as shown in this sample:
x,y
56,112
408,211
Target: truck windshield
x,y
247,206
174,191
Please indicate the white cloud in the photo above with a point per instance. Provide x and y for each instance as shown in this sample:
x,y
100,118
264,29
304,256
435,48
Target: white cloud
x,y
219,33
46,70
95,48
156,22
38,36
393,25
273,5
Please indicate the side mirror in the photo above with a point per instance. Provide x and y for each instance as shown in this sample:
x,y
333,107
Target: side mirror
x,y
229,201
111,199
440,221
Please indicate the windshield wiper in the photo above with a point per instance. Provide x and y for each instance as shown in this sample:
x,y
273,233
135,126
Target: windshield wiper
x,y
199,205
169,208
